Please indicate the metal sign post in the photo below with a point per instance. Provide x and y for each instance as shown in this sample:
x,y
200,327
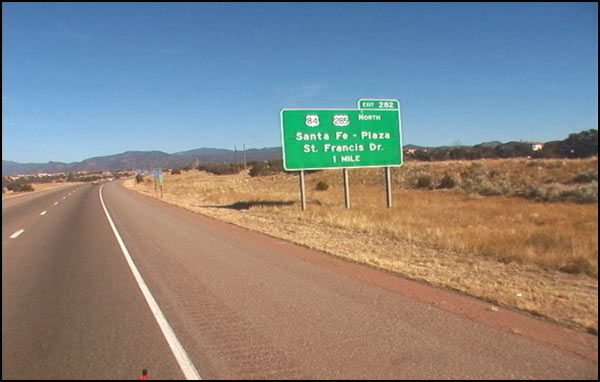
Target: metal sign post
x,y
157,174
388,187
160,181
346,188
302,191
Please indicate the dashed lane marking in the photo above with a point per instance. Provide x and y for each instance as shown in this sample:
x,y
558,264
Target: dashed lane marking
x,y
16,234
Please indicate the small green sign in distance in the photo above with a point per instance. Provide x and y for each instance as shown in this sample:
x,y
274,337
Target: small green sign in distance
x,y
341,138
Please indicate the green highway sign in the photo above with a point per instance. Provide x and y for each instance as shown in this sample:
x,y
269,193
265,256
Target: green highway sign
x,y
386,104
342,138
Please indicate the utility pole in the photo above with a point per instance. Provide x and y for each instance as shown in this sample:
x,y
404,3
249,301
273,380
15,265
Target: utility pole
x,y
244,157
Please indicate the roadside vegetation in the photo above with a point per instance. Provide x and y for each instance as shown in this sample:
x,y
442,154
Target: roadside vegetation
x,y
18,187
576,145
37,187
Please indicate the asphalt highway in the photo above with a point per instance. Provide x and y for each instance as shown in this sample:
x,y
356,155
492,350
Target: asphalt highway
x,y
82,268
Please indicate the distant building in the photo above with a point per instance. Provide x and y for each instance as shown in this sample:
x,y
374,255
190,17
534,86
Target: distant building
x,y
412,151
536,146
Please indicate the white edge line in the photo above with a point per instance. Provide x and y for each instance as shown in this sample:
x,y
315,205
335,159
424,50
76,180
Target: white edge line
x,y
186,365
44,213
16,234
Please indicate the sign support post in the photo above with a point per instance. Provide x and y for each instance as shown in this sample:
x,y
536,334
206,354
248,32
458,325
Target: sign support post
x,y
346,188
157,174
160,181
302,191
388,187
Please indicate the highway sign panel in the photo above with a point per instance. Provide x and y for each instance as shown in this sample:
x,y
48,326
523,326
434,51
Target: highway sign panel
x,y
341,138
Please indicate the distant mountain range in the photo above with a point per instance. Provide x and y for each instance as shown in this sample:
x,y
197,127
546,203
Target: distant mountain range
x,y
132,160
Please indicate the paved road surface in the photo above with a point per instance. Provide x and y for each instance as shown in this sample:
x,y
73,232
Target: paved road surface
x,y
242,305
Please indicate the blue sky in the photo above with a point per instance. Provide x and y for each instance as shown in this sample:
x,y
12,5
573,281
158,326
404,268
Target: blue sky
x,y
83,80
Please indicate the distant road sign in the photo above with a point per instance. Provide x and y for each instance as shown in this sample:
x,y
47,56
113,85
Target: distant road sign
x,y
338,138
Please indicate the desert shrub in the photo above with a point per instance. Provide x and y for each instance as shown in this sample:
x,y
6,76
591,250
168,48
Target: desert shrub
x,y
18,186
577,265
276,164
421,155
582,194
585,177
555,192
264,168
490,190
556,164
424,181
139,178
322,186
259,169
220,169
448,182
175,171
494,173
467,185
531,192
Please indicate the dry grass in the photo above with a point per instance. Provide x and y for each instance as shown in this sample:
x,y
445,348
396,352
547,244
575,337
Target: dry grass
x,y
490,247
